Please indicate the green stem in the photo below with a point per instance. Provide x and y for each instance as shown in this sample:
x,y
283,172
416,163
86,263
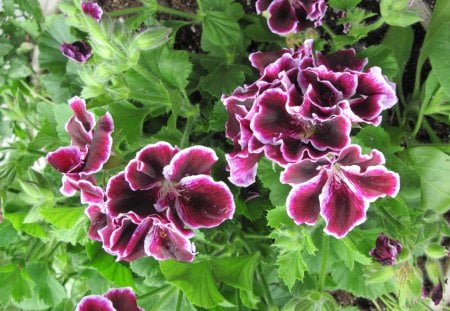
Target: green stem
x,y
153,292
419,120
127,11
187,132
329,31
175,12
34,94
268,297
144,73
179,301
323,263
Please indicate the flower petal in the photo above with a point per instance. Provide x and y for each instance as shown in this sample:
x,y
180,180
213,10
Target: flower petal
x,y
94,303
98,221
352,155
243,166
303,203
147,169
342,60
165,242
260,60
203,202
341,208
190,161
375,182
86,118
89,193
332,133
100,147
123,299
92,9
282,19
65,159
302,171
121,199
78,51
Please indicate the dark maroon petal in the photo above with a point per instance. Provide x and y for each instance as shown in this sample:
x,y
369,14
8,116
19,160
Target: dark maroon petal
x,y
203,202
373,82
94,303
302,171
375,182
100,147
366,109
78,51
92,9
190,161
165,242
121,199
173,218
123,299
341,208
282,18
86,118
352,155
437,293
89,193
262,5
386,250
342,60
315,10
260,60
303,203
139,180
79,137
243,166
98,221
333,133
65,159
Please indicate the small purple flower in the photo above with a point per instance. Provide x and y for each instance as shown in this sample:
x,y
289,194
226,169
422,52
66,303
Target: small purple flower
x,y
115,299
386,250
437,293
286,16
337,187
90,149
92,9
78,51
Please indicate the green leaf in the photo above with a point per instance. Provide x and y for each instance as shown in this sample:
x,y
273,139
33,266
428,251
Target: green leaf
x,y
196,280
439,50
380,55
400,41
14,283
435,251
312,301
398,13
62,113
236,271
383,274
218,117
269,175
32,7
63,217
433,167
8,235
348,252
278,216
222,80
152,38
122,113
175,67
375,137
148,268
219,29
105,264
17,220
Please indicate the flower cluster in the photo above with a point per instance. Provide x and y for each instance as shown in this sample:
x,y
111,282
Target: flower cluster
x,y
89,150
386,250
115,299
79,51
152,206
299,114
286,16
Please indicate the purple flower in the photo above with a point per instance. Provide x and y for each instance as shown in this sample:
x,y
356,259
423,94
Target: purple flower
x,y
78,51
90,149
286,16
92,9
337,187
386,250
152,206
115,299
437,293
301,107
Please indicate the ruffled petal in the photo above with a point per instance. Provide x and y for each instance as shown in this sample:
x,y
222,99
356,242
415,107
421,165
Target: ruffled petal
x,y
262,5
341,208
121,199
332,133
342,60
100,147
123,299
375,182
260,60
98,221
87,119
65,159
190,161
203,202
78,51
352,155
303,204
302,171
165,242
95,303
282,19
243,166
90,193
373,83
92,9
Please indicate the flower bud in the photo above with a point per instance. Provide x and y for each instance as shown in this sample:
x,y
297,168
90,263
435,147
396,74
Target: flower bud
x,y
386,250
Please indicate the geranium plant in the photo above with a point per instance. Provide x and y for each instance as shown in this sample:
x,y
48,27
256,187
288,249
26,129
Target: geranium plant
x,y
225,155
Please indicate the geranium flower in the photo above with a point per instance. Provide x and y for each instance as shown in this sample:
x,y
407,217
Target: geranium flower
x,y
337,187
286,16
78,51
115,299
90,149
301,107
152,206
386,250
92,9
